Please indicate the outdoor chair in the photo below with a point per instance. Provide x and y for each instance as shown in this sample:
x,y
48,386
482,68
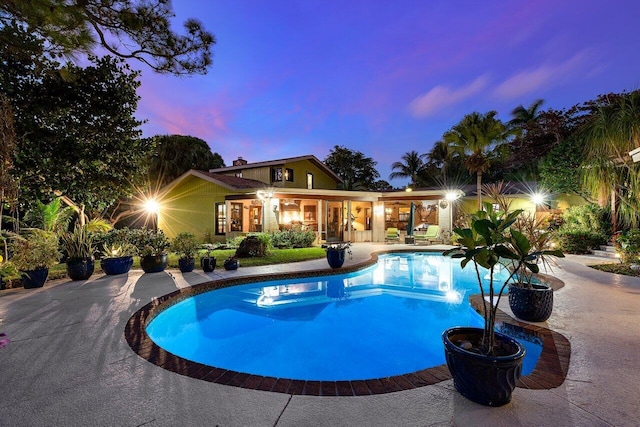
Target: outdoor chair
x,y
430,236
392,235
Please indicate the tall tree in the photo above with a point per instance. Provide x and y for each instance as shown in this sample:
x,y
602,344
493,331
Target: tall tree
x,y
76,133
176,154
138,29
480,138
522,116
611,132
411,167
357,171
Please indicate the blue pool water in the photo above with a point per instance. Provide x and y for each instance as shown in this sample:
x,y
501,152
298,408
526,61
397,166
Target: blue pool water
x,y
381,321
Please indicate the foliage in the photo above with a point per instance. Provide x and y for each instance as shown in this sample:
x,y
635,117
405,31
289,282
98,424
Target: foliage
x,y
52,216
357,171
137,29
276,256
575,241
480,139
588,217
560,168
254,245
489,242
77,134
8,270
411,167
618,268
79,243
628,245
117,243
36,249
185,244
150,242
381,185
176,154
8,144
294,237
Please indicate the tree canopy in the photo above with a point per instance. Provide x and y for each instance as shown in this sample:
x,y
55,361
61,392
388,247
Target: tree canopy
x,y
139,29
174,155
357,171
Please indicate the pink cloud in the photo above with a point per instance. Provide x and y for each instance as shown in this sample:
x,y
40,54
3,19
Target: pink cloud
x,y
444,96
534,80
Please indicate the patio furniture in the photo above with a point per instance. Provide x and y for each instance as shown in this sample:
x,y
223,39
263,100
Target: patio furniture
x,y
430,236
392,235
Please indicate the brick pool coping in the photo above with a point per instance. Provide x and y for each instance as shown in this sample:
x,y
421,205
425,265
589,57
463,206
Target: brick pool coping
x,y
550,371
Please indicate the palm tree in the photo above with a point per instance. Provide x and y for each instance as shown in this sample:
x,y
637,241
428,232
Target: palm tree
x,y
411,168
611,133
523,116
481,139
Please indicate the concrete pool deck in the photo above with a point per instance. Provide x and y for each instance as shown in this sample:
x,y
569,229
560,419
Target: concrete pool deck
x,y
69,364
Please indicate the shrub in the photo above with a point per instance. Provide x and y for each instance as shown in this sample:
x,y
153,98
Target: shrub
x,y
628,245
150,242
294,237
185,244
586,218
578,241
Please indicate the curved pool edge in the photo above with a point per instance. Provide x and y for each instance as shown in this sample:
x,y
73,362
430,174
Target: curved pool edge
x,y
550,371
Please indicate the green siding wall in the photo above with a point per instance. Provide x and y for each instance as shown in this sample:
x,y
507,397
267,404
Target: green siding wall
x,y
300,169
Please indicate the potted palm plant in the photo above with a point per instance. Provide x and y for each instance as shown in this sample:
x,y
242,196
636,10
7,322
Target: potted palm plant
x,y
79,247
186,245
152,246
34,253
485,365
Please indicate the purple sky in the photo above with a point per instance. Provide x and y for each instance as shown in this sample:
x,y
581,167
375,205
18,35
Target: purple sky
x,y
291,78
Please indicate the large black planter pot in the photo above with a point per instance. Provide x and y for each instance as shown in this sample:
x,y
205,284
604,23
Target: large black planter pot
x,y
119,265
154,263
532,305
80,268
2,285
186,265
34,278
335,258
208,264
231,264
487,380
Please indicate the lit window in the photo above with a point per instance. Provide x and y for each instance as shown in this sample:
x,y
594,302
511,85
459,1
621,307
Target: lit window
x,y
309,181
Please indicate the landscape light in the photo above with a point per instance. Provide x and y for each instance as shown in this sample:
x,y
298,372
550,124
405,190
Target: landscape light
x,y
152,206
537,198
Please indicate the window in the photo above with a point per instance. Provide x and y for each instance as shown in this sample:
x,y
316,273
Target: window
x,y
221,218
281,174
309,181
239,174
236,216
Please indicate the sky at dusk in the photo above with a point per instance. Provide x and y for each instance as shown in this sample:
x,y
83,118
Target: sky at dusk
x,y
291,78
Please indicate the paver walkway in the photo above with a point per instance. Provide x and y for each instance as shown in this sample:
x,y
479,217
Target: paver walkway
x,y
68,364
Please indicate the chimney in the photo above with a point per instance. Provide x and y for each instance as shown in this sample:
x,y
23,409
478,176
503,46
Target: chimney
x,y
239,162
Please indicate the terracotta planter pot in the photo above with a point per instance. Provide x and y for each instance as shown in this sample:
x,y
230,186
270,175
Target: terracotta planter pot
x,y
119,265
532,305
487,380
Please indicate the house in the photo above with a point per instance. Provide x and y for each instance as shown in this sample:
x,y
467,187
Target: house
x,y
265,196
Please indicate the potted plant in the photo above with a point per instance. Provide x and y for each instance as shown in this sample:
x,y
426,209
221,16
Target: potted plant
x,y
118,251
207,261
186,245
152,246
231,263
79,247
34,254
336,253
532,300
485,365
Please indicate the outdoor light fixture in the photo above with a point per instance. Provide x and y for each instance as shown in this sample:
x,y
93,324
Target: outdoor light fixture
x,y
408,190
538,198
452,195
152,206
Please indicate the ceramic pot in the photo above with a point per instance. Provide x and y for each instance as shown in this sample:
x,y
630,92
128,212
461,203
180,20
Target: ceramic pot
x,y
119,265
80,268
531,304
154,263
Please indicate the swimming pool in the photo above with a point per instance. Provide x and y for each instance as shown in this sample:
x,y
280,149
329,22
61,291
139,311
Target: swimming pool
x,y
382,321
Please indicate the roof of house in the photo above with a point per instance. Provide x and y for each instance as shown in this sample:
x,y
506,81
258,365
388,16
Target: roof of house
x,y
311,158
228,181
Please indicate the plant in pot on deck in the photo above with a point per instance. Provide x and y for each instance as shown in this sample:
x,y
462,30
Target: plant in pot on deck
x,y
78,244
336,253
152,246
186,245
207,260
530,299
118,251
34,253
485,365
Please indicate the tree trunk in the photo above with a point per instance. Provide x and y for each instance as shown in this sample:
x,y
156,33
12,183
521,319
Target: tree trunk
x,y
479,189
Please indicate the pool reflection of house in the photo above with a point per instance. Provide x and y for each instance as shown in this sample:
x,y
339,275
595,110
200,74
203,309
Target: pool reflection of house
x,y
265,196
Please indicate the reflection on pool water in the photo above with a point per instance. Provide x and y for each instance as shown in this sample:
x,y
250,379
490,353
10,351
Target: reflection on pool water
x,y
382,321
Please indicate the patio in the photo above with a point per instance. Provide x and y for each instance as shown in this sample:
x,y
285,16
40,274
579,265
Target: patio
x,y
69,364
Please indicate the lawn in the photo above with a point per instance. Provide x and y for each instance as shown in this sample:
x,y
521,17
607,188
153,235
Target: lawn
x,y
618,268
